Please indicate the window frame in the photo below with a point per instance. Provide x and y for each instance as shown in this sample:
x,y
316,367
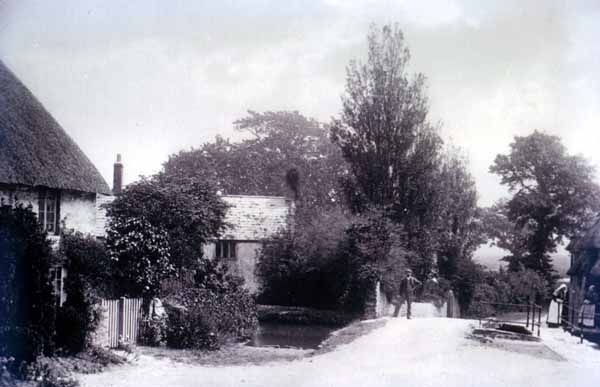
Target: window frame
x,y
52,226
225,249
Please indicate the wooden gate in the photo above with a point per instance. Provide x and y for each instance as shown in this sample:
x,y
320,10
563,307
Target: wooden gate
x,y
121,321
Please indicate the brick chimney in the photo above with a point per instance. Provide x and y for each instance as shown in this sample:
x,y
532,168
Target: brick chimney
x,y
117,176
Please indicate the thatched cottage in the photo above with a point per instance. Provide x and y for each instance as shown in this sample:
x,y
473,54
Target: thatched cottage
x,y
584,270
251,220
42,167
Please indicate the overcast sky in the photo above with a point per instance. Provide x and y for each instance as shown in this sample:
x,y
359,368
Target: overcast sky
x,y
148,78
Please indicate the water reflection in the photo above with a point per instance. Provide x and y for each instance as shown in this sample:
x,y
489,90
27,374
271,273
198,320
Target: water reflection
x,y
271,334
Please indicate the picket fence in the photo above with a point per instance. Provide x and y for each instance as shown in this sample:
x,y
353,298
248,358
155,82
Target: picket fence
x,y
121,320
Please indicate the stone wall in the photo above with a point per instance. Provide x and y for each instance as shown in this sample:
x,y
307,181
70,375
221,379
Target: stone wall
x,y
452,306
377,303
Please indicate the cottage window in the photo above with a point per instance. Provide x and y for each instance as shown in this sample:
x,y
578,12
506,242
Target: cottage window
x,y
48,212
225,249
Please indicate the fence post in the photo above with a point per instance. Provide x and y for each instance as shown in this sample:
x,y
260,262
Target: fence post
x,y
121,319
527,323
539,320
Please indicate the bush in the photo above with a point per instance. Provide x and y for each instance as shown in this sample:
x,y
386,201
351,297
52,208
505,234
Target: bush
x,y
26,300
479,288
205,319
88,278
47,372
152,331
331,262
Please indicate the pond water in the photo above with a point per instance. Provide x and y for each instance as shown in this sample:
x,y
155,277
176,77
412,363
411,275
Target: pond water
x,y
271,334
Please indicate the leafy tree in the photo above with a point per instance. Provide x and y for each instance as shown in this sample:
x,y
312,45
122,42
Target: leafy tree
x,y
157,226
383,132
304,267
141,256
396,157
503,233
27,303
460,230
287,154
554,196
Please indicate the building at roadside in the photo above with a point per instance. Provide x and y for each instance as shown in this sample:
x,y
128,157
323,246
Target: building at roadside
x,y
251,220
42,167
584,273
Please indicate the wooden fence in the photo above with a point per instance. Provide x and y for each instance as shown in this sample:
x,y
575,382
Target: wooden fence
x,y
121,321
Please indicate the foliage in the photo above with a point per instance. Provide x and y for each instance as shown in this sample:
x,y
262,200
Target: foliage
x,y
467,277
503,233
47,372
205,319
88,278
152,330
26,300
375,247
383,131
141,256
157,227
506,287
304,268
396,157
331,262
287,154
57,371
554,196
460,229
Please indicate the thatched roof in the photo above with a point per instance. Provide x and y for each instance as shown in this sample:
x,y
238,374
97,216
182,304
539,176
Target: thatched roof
x,y
34,148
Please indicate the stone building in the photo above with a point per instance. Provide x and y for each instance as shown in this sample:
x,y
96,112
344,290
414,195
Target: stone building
x,y
42,167
251,219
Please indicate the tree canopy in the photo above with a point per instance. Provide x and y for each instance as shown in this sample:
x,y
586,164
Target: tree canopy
x,y
287,154
396,157
158,225
555,196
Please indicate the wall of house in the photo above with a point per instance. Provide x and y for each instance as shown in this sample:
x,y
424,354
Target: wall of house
x,y
245,263
101,219
78,211
11,195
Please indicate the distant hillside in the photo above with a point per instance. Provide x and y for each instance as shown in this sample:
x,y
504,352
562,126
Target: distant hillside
x,y
490,258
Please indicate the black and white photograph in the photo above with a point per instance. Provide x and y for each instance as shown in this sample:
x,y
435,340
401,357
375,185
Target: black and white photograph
x,y
303,193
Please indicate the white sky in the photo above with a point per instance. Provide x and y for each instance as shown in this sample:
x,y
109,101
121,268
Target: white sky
x,y
148,78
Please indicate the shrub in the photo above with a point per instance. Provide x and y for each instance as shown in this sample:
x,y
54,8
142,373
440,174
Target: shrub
x,y
480,287
47,372
88,278
203,318
331,262
305,267
157,226
152,330
26,300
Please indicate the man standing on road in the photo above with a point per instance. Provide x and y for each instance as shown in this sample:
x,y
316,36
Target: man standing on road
x,y
407,290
